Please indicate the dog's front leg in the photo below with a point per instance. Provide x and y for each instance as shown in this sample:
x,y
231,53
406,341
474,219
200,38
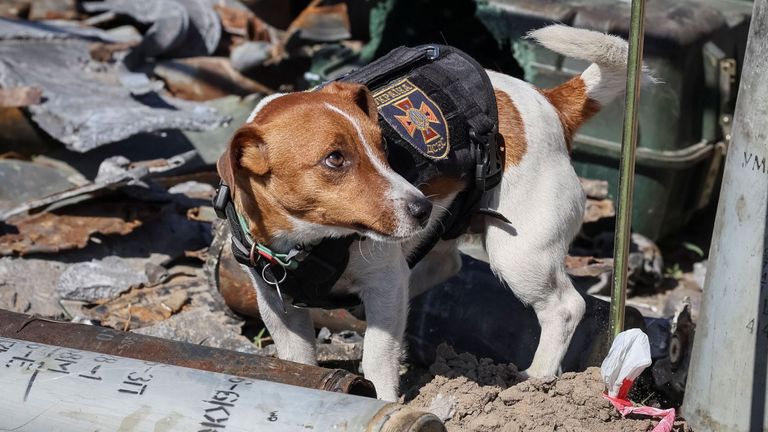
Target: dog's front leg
x,y
290,328
386,310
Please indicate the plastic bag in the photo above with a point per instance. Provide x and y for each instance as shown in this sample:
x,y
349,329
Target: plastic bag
x,y
630,354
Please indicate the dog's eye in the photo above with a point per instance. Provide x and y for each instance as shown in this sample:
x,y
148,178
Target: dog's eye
x,y
335,160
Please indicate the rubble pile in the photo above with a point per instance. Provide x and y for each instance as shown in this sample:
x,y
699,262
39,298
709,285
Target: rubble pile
x,y
112,116
478,395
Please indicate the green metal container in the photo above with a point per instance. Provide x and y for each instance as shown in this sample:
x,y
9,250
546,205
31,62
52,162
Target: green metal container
x,y
693,48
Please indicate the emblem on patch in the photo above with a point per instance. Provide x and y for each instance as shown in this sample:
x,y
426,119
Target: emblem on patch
x,y
415,117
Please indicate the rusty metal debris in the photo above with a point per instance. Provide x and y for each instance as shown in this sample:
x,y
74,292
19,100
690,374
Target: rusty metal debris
x,y
598,209
142,306
205,78
319,22
587,266
52,232
20,96
107,341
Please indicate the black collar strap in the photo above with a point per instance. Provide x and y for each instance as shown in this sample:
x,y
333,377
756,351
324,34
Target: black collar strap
x,y
305,275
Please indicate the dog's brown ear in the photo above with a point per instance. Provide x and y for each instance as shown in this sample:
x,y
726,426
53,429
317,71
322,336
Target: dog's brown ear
x,y
246,151
358,94
225,168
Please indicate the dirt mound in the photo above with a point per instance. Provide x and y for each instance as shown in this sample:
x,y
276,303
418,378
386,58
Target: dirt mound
x,y
478,395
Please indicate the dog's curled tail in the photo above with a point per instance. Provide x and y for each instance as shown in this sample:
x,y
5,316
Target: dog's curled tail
x,y
583,96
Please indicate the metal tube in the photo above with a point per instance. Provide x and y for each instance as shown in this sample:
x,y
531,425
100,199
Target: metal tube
x,y
131,345
48,387
627,168
727,388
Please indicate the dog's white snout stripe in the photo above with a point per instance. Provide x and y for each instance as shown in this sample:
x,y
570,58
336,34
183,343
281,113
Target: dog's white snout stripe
x,y
382,169
400,190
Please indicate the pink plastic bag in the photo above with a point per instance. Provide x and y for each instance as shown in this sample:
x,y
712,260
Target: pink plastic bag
x,y
630,354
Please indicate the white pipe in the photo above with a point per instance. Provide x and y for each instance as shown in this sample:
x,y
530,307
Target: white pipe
x,y
726,388
47,388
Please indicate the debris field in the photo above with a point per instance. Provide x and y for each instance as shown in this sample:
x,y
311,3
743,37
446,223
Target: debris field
x,y
112,115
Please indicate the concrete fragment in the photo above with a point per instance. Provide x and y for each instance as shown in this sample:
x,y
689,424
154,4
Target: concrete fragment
x,y
443,406
28,286
201,327
249,55
98,279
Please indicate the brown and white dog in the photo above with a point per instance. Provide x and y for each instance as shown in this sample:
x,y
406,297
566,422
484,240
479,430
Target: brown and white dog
x,y
311,165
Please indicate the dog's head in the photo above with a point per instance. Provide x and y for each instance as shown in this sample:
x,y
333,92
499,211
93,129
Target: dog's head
x,y
313,163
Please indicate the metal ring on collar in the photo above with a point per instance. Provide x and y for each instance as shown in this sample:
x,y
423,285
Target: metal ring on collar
x,y
273,282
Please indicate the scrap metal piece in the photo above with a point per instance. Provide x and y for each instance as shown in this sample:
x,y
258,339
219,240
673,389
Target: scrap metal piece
x,y
145,306
53,9
52,232
321,23
130,174
112,342
11,29
178,28
598,209
249,55
85,104
579,266
243,23
206,78
23,181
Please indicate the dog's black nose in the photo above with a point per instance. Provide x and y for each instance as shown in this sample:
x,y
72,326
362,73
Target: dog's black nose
x,y
420,208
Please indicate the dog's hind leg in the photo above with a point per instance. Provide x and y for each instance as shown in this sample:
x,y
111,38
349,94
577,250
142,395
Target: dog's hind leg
x,y
536,275
529,256
289,327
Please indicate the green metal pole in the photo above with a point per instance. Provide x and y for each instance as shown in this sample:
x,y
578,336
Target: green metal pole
x,y
627,168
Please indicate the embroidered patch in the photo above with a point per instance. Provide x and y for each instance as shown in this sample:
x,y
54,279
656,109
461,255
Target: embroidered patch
x,y
415,117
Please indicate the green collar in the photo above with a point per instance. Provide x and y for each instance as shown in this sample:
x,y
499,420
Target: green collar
x,y
284,260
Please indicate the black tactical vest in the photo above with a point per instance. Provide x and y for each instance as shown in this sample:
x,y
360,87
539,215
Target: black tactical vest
x,y
438,115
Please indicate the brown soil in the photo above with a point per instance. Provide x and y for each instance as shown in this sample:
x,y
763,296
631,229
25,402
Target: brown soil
x,y
478,395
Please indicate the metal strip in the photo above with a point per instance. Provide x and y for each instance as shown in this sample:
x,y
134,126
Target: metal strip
x,y
627,168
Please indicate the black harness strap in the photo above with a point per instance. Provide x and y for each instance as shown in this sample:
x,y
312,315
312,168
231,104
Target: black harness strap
x,y
319,268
